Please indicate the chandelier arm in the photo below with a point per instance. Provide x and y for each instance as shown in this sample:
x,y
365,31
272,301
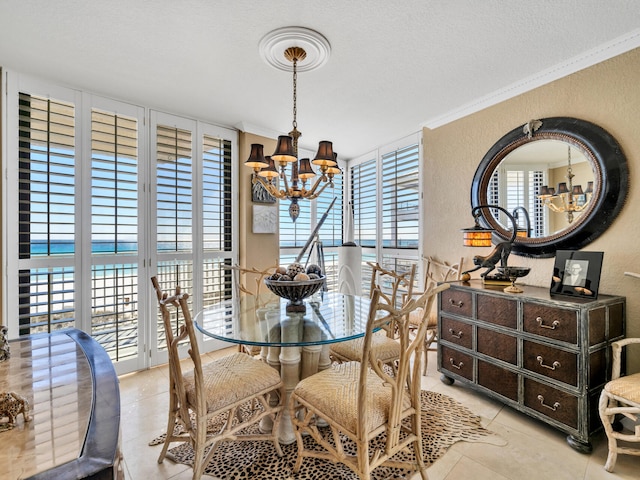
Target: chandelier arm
x,y
313,190
283,176
315,185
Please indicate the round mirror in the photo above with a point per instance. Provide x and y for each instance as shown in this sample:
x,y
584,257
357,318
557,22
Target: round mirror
x,y
563,179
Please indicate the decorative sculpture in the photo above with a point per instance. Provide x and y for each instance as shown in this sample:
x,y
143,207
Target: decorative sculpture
x,y
4,344
12,405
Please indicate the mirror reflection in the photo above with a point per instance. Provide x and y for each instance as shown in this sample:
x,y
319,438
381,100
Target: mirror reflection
x,y
546,184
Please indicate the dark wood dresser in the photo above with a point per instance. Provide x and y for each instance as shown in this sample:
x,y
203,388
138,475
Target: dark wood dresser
x,y
548,357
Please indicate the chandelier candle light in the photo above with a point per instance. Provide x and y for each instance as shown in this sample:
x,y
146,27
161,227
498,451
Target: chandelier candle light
x,y
567,194
264,168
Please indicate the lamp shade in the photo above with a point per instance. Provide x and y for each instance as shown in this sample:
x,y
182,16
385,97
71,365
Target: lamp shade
x,y
325,154
305,171
270,171
256,158
562,188
285,152
577,190
589,187
544,191
476,236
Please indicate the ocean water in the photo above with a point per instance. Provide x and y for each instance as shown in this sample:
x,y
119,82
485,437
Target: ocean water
x,y
40,248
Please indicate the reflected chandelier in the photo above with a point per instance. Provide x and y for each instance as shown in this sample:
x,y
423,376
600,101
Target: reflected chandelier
x,y
566,193
264,168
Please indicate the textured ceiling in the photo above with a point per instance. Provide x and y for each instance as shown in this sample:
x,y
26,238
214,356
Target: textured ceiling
x,y
394,66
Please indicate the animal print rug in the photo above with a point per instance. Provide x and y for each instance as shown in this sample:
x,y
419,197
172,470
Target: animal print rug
x,y
444,422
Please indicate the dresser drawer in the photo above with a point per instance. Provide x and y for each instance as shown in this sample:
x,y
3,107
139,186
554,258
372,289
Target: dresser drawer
x,y
456,302
498,380
457,362
551,402
498,345
456,332
498,311
551,362
551,322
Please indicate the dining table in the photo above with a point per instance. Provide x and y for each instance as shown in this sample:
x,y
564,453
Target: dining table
x,y
296,343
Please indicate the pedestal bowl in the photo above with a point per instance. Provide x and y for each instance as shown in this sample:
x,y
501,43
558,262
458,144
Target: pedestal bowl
x,y
295,291
514,273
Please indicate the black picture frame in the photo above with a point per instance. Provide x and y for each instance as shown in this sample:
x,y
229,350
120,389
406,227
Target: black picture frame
x,y
576,273
259,194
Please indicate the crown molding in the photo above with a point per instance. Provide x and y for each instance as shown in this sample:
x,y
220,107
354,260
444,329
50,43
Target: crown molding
x,y
586,59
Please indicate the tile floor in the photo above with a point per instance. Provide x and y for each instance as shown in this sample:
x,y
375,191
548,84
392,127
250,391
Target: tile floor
x,y
533,451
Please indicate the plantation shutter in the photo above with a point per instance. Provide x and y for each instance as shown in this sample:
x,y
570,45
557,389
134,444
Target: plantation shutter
x,y
400,198
46,214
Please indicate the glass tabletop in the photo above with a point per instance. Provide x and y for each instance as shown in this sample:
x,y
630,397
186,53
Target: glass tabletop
x,y
265,321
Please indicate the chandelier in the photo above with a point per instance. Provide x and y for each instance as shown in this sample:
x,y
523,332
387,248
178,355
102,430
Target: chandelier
x,y
286,152
567,194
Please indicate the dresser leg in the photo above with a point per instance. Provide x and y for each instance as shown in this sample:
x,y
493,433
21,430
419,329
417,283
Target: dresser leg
x,y
446,380
579,445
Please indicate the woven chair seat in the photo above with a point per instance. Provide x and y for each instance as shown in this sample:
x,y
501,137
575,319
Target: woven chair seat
x,y
627,387
415,319
230,379
334,392
386,349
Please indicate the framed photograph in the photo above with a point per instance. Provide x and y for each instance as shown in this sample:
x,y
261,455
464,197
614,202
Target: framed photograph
x,y
576,274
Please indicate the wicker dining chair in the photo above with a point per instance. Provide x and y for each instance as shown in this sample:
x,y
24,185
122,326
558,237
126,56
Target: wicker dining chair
x,y
218,388
392,287
362,400
436,271
620,396
240,283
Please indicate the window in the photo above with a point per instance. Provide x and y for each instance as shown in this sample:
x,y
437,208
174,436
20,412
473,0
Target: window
x,y
107,193
389,177
294,235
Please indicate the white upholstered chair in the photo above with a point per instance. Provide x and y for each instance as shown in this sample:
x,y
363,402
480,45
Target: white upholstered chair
x,y
620,396
392,287
220,387
363,400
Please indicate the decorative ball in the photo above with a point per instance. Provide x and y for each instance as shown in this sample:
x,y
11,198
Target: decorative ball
x,y
281,270
294,269
284,278
301,276
313,268
313,276
465,277
275,276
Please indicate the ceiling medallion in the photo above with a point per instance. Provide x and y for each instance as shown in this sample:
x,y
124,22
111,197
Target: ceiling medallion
x,y
274,43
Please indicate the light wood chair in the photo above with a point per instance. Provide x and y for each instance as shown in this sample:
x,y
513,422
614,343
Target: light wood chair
x,y
392,287
219,388
362,400
436,271
240,284
620,396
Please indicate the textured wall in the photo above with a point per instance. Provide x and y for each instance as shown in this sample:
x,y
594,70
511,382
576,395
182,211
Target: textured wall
x,y
256,250
606,94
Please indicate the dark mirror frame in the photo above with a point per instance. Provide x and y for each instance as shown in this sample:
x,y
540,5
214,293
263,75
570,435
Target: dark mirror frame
x,y
611,175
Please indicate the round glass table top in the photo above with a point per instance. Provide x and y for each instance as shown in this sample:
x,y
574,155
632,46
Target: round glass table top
x,y
264,320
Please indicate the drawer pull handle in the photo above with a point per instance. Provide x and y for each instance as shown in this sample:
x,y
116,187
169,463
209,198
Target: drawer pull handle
x,y
555,365
454,334
457,304
555,407
459,366
553,326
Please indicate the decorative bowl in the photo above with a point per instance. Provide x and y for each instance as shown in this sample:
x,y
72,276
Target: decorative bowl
x,y
295,291
514,273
